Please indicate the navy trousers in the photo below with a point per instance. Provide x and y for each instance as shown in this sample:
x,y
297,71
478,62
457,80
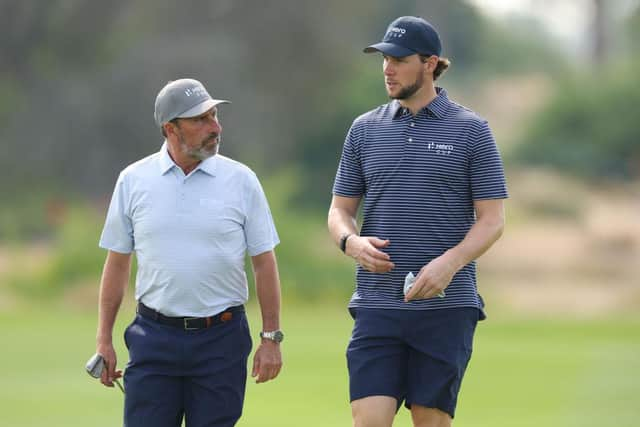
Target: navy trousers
x,y
196,374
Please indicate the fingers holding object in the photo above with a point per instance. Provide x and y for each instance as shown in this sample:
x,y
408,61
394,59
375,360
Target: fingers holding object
x,y
109,373
423,291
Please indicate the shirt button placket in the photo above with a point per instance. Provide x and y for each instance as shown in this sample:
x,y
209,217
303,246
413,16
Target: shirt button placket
x,y
411,126
182,205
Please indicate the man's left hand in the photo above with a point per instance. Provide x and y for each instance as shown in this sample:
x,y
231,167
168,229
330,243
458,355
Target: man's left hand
x,y
267,361
432,279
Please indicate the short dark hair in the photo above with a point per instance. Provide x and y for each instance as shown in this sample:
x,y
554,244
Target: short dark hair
x,y
443,64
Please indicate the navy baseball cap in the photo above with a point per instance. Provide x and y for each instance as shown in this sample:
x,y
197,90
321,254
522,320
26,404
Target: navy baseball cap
x,y
407,36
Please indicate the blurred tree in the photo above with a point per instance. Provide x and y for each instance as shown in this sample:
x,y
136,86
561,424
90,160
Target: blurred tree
x,y
79,79
590,129
633,30
599,32
42,43
42,39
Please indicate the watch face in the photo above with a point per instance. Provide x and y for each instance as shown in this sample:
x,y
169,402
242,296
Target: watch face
x,y
276,336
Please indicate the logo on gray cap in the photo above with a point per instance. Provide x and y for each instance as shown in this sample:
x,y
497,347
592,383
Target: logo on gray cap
x,y
183,98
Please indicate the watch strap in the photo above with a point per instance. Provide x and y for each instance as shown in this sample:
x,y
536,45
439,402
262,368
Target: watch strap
x,y
276,336
343,241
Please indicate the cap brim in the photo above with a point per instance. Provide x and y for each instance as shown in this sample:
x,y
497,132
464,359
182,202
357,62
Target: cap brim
x,y
202,108
389,49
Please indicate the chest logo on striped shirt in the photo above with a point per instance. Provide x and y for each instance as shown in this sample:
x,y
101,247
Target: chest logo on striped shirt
x,y
440,149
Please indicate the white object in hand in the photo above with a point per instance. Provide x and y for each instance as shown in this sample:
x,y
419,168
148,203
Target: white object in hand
x,y
410,279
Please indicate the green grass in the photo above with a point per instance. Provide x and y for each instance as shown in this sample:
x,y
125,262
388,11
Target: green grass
x,y
524,372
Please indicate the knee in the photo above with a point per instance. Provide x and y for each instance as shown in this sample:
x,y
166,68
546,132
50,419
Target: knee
x,y
363,419
429,417
373,412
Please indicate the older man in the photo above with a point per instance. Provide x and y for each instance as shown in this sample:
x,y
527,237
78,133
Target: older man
x,y
190,215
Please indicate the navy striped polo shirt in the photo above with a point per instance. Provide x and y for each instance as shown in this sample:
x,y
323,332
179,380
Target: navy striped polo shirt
x,y
419,176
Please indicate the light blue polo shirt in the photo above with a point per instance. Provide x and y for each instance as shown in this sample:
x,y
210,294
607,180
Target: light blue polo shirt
x,y
419,176
190,233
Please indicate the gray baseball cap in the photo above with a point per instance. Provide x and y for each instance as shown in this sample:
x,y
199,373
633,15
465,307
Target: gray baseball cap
x,y
183,98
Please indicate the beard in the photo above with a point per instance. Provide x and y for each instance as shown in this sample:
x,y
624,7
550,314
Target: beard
x,y
407,92
208,148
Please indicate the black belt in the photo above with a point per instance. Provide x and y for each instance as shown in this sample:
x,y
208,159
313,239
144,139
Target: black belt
x,y
190,323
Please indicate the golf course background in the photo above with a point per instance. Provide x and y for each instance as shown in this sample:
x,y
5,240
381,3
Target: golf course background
x,y
524,372
561,346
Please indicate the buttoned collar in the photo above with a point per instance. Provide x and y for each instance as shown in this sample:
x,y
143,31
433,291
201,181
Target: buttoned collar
x,y
437,107
166,162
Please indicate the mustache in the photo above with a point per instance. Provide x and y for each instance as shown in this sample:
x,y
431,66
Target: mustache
x,y
212,137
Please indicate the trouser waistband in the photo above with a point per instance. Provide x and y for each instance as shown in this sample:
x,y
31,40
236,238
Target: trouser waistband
x,y
189,323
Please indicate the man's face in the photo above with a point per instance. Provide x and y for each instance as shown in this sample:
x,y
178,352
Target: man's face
x,y
199,136
403,77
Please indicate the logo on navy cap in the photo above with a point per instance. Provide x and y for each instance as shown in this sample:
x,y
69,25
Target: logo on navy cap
x,y
395,32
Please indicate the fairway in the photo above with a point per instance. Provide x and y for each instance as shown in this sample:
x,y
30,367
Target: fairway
x,y
523,372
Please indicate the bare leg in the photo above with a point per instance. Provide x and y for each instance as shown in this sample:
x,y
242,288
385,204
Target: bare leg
x,y
374,411
429,417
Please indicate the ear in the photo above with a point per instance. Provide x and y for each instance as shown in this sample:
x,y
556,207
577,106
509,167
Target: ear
x,y
431,64
169,128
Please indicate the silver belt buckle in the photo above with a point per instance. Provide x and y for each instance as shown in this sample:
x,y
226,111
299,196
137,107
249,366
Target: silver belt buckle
x,y
186,324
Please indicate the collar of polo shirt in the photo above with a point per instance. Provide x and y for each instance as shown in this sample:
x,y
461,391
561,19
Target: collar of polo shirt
x,y
438,106
208,165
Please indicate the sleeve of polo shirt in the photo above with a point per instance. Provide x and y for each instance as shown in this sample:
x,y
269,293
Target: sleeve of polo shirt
x,y
487,172
349,180
260,231
117,234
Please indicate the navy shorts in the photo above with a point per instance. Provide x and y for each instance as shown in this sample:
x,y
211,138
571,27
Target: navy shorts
x,y
199,374
414,356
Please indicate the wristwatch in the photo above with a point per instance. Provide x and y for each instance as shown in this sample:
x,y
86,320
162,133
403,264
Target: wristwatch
x,y
343,241
275,336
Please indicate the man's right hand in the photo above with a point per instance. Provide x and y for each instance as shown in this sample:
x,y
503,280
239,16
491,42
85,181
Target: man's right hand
x,y
109,372
365,250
